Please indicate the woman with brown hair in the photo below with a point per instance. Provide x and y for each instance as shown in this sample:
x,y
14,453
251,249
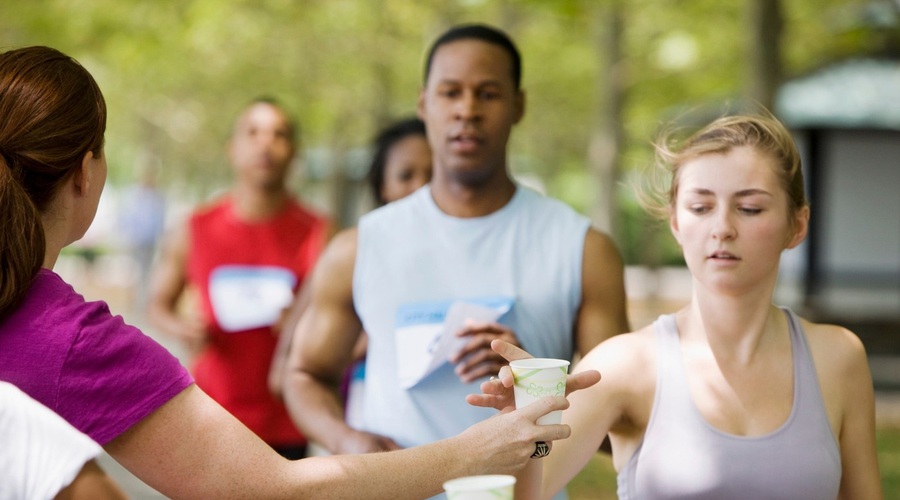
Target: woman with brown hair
x,y
121,388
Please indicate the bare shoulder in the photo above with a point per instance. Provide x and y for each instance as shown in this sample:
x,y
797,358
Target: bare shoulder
x,y
599,245
834,345
341,250
841,365
627,355
627,366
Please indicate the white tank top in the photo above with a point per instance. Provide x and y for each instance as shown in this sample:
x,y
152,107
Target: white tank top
x,y
414,262
683,456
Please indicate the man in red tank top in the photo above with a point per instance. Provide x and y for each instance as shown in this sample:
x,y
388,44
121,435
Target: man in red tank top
x,y
245,254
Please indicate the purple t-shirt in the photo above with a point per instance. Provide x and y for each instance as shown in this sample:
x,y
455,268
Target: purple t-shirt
x,y
79,360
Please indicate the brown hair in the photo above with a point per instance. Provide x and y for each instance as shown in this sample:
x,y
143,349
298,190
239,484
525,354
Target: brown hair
x,y
764,133
52,113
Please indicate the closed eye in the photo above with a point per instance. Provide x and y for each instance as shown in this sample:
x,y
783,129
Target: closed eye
x,y
699,209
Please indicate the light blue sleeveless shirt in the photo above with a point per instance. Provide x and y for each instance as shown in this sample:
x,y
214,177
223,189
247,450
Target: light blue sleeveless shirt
x,y
414,261
683,456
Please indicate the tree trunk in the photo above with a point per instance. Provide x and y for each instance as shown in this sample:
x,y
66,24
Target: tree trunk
x,y
607,137
764,51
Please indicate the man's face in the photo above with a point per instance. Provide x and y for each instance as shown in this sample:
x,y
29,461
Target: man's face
x,y
469,105
261,147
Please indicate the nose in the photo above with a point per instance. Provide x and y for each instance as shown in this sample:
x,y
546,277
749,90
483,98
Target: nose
x,y
265,139
724,228
467,106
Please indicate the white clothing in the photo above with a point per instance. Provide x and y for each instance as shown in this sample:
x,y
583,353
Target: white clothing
x,y
414,262
40,453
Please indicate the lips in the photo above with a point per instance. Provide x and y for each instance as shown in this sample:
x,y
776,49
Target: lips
x,y
467,140
723,255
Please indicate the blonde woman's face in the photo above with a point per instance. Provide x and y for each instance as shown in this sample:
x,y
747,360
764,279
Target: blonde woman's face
x,y
731,219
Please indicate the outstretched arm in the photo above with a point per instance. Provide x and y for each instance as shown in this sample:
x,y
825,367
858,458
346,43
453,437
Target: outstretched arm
x,y
594,411
192,448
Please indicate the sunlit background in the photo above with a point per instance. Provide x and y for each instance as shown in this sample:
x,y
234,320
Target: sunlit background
x,y
602,77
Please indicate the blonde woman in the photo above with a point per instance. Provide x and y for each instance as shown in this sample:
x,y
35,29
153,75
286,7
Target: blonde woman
x,y
732,396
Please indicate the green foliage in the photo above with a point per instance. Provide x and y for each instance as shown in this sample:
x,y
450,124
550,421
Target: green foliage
x,y
176,73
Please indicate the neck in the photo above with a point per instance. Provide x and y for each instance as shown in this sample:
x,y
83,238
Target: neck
x,y
56,233
734,326
251,203
463,200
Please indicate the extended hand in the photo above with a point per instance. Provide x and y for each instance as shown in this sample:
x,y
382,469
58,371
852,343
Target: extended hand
x,y
504,444
476,359
498,392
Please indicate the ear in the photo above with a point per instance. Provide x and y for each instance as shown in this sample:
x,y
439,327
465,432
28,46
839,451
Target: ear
x,y
81,179
520,106
420,104
673,226
801,227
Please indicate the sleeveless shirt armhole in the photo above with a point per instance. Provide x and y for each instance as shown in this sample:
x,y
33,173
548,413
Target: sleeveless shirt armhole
x,y
796,325
359,262
627,474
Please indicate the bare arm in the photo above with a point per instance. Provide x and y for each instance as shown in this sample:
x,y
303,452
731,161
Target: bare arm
x,y
92,483
619,403
321,351
192,448
285,329
603,303
167,285
853,381
291,316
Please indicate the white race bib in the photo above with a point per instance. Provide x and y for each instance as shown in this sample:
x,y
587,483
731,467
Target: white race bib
x,y
247,297
426,333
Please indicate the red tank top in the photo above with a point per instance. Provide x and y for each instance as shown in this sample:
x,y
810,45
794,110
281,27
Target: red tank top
x,y
265,262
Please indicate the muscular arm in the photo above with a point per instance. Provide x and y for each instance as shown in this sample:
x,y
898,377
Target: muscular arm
x,y
321,351
291,316
603,304
166,287
285,329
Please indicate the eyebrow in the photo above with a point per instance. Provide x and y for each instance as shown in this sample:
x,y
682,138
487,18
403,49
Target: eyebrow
x,y
740,194
451,81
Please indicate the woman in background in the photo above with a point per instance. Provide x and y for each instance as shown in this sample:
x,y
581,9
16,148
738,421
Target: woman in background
x,y
401,164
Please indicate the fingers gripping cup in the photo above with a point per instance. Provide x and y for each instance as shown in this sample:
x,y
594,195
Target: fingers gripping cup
x,y
536,378
492,487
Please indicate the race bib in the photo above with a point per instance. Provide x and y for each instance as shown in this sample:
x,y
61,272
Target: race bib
x,y
247,297
425,334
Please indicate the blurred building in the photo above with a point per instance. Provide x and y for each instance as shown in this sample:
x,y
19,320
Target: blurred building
x,y
846,120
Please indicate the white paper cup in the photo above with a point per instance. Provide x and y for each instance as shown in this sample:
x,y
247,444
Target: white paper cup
x,y
492,487
536,378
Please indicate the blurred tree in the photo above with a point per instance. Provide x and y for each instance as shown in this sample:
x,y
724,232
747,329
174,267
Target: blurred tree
x,y
175,74
763,68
